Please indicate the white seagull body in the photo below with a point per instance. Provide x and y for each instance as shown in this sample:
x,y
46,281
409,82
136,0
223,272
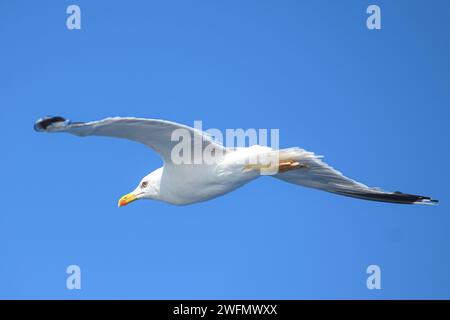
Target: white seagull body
x,y
197,181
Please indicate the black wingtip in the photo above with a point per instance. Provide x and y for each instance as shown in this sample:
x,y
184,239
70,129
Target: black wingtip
x,y
414,199
394,197
43,123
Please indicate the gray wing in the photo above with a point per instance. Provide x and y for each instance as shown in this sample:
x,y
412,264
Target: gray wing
x,y
314,173
156,134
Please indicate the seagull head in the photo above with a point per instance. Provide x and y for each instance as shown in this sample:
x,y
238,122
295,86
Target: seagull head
x,y
148,188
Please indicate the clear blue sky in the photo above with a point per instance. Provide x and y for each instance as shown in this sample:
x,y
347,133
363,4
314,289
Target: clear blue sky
x,y
374,103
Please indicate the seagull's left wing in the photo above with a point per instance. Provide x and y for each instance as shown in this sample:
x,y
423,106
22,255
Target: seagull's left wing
x,y
156,134
314,173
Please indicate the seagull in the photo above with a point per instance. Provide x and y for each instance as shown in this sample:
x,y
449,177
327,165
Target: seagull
x,y
196,181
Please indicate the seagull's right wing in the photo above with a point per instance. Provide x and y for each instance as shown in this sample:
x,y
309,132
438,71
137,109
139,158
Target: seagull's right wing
x,y
156,134
314,173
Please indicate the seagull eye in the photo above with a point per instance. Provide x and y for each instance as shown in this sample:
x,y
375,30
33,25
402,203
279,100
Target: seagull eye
x,y
144,184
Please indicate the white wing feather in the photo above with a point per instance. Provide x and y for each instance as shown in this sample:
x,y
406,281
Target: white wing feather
x,y
314,173
156,134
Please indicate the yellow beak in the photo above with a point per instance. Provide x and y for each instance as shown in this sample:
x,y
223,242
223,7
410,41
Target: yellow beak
x,y
126,199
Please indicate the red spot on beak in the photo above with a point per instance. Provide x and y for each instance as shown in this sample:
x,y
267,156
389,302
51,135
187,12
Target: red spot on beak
x,y
126,199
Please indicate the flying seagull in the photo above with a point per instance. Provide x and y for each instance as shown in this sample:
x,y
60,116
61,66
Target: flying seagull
x,y
196,181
